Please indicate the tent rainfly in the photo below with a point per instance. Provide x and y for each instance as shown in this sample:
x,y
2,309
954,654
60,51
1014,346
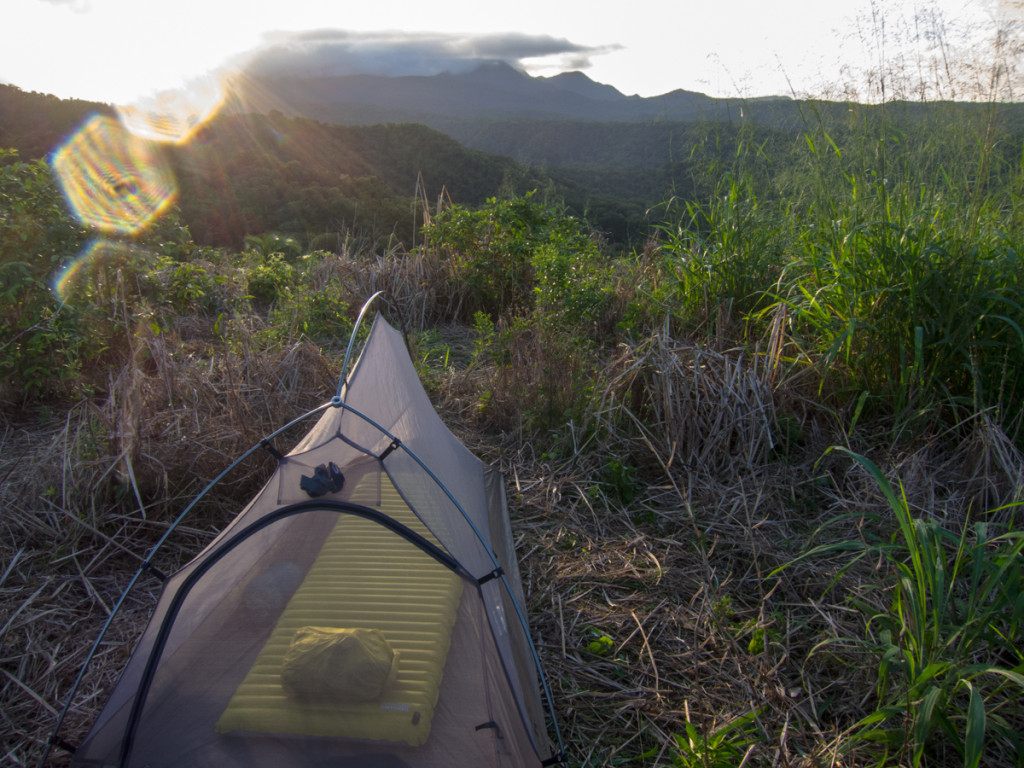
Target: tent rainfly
x,y
365,609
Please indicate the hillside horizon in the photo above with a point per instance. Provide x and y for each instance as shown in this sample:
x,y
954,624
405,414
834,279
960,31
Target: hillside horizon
x,y
492,90
488,131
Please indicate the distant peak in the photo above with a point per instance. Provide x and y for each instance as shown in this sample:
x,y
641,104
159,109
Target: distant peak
x,y
575,75
497,68
581,83
496,65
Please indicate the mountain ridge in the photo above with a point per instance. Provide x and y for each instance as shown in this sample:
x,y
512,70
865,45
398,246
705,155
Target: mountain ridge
x,y
494,90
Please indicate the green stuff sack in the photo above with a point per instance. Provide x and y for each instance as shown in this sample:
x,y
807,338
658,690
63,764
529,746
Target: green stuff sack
x,y
327,665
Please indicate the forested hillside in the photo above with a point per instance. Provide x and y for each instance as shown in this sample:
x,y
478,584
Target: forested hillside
x,y
247,174
250,174
36,123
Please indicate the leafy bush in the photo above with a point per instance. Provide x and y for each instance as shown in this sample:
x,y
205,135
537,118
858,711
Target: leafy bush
x,y
41,334
573,282
540,379
317,315
268,277
509,254
196,286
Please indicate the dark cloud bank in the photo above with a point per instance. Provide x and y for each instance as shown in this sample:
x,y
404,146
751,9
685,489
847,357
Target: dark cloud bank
x,y
327,52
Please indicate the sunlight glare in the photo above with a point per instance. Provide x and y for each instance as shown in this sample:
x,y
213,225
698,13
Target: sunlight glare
x,y
174,115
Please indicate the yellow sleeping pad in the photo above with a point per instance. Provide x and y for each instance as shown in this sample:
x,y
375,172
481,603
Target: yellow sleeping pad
x,y
364,577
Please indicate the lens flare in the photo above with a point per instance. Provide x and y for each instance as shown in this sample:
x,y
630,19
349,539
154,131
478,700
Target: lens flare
x,y
97,267
113,180
173,116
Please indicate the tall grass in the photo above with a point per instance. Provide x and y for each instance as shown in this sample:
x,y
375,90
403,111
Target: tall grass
x,y
885,244
943,632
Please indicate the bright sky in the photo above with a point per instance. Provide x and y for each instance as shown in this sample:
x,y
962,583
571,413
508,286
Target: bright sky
x,y
116,50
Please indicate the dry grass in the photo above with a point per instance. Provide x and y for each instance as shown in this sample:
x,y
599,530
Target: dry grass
x,y
679,582
413,285
707,410
678,577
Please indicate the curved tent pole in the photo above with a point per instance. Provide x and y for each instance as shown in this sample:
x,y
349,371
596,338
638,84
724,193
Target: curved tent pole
x,y
508,588
147,565
351,342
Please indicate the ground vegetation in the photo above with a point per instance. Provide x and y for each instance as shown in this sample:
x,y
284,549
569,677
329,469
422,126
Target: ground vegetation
x,y
764,466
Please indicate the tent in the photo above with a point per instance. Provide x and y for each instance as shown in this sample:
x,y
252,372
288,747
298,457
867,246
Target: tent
x,y
364,609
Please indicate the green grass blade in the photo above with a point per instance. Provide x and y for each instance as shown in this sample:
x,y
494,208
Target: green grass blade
x,y
923,721
974,740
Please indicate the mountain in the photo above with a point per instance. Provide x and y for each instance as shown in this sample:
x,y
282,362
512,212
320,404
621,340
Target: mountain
x,y
564,120
307,156
493,91
246,174
577,82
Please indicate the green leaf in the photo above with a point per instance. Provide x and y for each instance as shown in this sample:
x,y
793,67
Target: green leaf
x,y
691,735
1010,674
974,742
923,721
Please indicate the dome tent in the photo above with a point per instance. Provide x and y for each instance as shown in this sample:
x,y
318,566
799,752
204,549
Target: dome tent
x,y
364,609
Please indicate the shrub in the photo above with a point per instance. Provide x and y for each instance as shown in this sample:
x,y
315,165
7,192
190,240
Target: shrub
x,y
505,256
268,277
41,334
320,316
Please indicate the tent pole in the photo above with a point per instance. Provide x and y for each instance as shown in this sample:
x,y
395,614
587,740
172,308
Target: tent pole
x,y
351,342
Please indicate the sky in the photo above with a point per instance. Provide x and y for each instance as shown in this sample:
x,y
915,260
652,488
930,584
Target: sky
x,y
117,51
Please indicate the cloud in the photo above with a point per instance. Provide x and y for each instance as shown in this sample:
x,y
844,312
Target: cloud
x,y
332,52
78,6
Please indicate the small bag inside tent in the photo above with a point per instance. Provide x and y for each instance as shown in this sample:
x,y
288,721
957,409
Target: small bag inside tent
x,y
364,609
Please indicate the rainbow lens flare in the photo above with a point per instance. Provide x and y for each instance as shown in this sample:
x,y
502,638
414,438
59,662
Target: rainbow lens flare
x,y
113,180
99,267
173,116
